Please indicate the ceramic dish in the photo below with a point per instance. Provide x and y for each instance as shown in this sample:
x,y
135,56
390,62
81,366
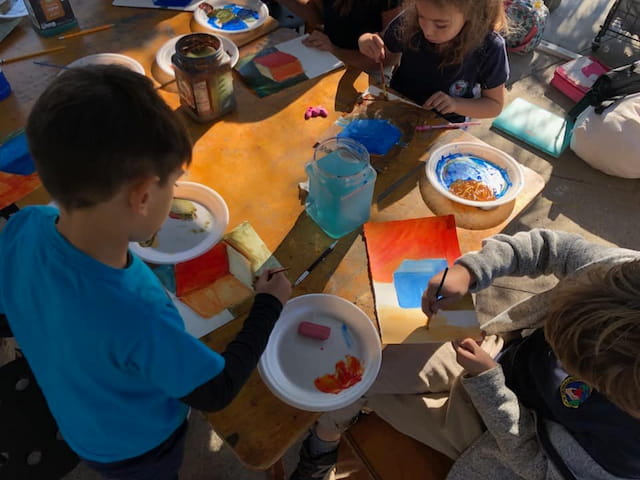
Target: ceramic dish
x,y
17,10
108,59
164,53
239,17
469,161
291,362
179,240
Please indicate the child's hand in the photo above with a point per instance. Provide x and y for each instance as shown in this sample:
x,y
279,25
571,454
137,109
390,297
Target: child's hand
x,y
372,45
441,102
472,357
455,286
278,285
319,40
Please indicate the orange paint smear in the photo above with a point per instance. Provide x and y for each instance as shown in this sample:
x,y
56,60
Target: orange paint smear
x,y
348,372
472,190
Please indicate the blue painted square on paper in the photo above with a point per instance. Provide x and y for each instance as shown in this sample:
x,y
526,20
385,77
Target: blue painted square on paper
x,y
412,277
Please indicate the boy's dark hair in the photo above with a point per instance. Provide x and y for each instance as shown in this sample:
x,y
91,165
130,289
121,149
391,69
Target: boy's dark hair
x,y
96,128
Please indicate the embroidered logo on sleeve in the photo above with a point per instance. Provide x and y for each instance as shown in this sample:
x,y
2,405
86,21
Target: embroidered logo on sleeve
x,y
574,392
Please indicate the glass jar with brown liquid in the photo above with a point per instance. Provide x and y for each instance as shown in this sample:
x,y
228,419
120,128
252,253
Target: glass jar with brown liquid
x,y
203,75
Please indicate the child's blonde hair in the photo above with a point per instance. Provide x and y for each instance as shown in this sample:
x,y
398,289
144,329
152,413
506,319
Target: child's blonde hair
x,y
481,17
594,330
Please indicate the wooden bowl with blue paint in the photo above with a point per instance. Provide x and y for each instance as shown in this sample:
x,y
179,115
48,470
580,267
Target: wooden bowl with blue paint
x,y
475,174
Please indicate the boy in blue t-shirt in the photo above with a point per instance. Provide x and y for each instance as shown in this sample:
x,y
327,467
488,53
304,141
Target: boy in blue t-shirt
x,y
106,344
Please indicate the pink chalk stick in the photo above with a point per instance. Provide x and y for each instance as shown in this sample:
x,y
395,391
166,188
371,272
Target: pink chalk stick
x,y
313,330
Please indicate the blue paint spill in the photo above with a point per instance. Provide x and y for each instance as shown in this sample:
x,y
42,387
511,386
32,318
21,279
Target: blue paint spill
x,y
243,18
463,166
347,336
412,277
378,136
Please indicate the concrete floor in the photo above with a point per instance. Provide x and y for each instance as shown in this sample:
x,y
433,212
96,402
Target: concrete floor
x,y
576,198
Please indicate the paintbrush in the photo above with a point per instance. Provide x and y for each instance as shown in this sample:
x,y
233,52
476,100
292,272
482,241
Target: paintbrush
x,y
446,126
384,81
162,85
45,64
4,61
86,32
277,270
444,275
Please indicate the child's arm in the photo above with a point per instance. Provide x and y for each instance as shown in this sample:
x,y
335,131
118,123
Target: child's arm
x,y
243,353
510,423
373,47
489,105
533,253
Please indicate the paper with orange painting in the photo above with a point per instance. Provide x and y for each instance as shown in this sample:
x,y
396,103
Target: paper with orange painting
x,y
403,256
205,289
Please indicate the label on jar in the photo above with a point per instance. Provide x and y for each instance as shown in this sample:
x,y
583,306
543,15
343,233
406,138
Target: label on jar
x,y
201,94
52,9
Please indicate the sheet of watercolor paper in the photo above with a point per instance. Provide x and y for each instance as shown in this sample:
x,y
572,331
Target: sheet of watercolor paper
x,y
403,256
283,65
206,288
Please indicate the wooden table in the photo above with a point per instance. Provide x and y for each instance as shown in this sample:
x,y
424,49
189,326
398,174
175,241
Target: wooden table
x,y
254,157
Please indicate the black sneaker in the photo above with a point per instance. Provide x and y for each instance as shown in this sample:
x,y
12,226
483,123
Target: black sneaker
x,y
314,468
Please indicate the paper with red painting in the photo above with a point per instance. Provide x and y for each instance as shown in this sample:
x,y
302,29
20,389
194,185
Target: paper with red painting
x,y
403,256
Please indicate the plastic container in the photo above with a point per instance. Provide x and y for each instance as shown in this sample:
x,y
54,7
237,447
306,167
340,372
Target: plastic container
x,y
51,17
341,182
203,74
576,77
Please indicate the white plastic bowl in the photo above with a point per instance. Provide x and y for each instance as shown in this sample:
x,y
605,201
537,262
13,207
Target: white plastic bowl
x,y
485,152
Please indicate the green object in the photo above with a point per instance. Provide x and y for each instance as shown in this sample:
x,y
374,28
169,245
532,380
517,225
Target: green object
x,y
536,126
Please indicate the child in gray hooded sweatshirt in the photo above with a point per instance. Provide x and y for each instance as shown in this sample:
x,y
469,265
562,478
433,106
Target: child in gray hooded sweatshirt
x,y
553,392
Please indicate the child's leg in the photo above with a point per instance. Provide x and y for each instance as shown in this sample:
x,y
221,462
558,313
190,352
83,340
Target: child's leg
x,y
160,463
443,418
409,375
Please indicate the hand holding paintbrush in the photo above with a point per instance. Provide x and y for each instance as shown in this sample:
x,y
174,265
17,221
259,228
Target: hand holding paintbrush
x,y
274,284
445,289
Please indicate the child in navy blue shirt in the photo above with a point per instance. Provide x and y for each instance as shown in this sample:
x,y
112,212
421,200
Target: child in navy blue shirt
x,y
105,342
339,23
453,58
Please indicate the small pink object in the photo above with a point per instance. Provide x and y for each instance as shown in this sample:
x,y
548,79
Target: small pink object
x,y
312,112
313,330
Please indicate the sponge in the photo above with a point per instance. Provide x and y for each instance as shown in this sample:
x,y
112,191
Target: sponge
x,y
313,330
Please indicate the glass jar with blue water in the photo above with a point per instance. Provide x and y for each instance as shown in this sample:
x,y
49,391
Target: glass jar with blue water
x,y
341,182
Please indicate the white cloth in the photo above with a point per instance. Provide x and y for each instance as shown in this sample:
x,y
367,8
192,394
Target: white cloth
x,y
610,142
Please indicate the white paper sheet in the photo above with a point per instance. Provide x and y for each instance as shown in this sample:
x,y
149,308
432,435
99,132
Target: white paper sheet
x,y
314,62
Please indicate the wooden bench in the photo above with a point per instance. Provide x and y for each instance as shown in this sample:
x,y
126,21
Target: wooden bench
x,y
374,450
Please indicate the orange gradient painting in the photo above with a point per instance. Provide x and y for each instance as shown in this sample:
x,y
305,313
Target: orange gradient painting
x,y
403,256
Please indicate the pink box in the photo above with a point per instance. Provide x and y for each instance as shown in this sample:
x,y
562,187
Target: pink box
x,y
577,76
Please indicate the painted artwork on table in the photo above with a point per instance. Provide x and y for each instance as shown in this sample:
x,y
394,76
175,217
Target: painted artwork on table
x,y
403,256
283,65
205,288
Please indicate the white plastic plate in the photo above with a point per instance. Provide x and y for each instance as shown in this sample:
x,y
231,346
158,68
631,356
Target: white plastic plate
x,y
291,362
202,18
181,240
108,59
